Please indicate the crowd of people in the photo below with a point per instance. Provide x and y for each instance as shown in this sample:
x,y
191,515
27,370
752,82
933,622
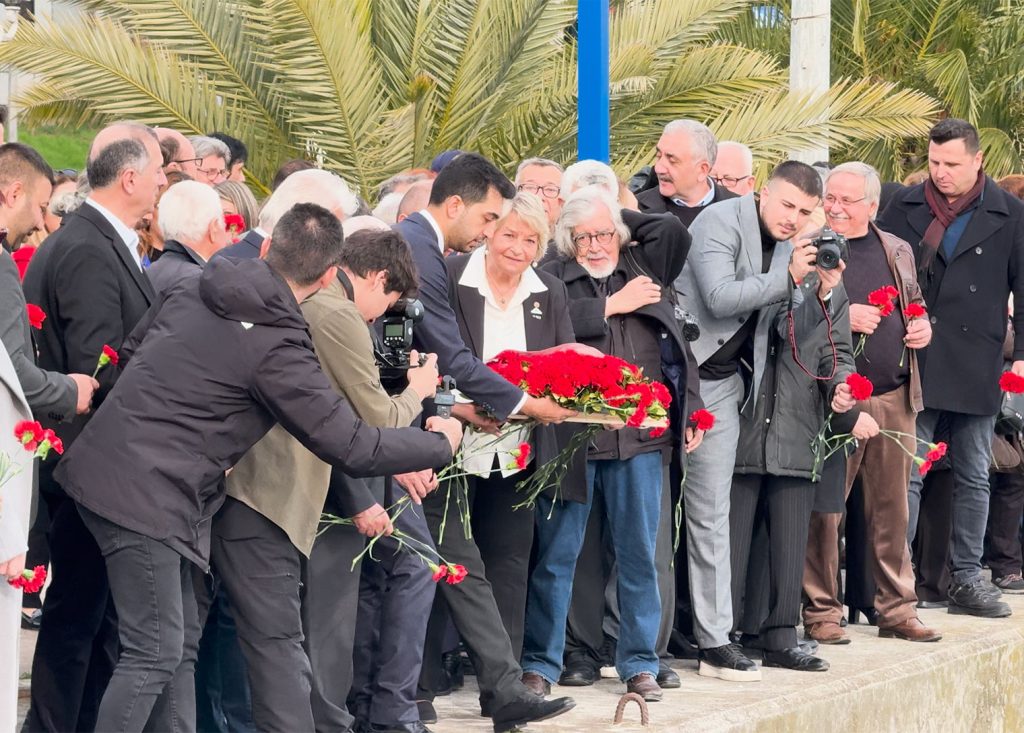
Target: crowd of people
x,y
206,523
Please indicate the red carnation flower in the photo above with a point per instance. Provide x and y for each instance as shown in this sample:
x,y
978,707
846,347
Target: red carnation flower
x,y
235,225
55,443
860,386
915,310
439,571
35,315
107,356
891,291
703,419
657,432
1010,382
924,467
883,299
522,455
456,574
29,433
30,581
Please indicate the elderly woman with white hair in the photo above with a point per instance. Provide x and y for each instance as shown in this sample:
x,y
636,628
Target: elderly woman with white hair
x,y
502,302
614,263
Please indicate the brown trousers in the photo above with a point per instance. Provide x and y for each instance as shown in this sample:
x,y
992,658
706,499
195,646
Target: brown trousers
x,y
884,470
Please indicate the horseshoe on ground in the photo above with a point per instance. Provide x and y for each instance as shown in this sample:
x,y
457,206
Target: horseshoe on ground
x,y
621,707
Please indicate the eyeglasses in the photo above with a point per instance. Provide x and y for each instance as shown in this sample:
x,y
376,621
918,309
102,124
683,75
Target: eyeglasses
x,y
548,192
728,181
831,200
587,239
195,161
212,172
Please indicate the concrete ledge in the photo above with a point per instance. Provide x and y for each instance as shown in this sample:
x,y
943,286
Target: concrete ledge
x,y
972,680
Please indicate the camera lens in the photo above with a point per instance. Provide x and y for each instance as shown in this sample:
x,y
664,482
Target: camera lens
x,y
828,257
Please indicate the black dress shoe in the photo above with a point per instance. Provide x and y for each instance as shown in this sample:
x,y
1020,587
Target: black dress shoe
x,y
416,727
667,678
794,659
579,673
32,621
451,662
529,710
426,710
870,616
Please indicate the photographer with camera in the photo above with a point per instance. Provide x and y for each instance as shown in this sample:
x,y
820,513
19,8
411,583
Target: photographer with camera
x,y
742,262
877,259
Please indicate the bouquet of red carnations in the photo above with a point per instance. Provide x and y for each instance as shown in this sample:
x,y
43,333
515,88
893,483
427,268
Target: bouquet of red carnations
x,y
604,386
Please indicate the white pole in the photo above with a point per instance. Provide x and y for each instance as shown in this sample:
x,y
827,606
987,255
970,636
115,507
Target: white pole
x,y
809,49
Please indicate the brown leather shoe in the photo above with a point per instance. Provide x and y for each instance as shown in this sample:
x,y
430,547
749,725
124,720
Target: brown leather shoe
x,y
911,630
536,684
646,686
826,632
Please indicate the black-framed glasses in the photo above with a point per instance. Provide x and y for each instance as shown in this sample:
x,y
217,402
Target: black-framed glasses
x,y
212,172
548,192
183,161
728,181
831,200
586,239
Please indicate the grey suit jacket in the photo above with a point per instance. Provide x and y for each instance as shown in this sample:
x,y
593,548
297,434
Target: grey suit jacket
x,y
50,395
721,284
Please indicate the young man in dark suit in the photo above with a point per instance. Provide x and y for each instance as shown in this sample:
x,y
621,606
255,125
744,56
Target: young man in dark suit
x,y
466,200
88,279
968,240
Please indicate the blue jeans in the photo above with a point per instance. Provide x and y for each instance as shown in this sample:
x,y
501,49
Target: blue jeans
x,y
631,490
970,453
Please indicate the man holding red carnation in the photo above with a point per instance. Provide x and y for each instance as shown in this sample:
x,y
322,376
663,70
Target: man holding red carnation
x,y
888,309
968,239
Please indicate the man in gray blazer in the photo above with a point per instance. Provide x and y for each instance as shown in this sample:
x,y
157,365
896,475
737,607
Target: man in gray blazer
x,y
25,184
734,270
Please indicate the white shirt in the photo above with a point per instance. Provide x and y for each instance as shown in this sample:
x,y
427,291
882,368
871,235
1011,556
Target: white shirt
x,y
708,198
129,237
504,328
434,225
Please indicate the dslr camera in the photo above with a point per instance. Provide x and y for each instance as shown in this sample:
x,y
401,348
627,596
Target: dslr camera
x,y
392,352
832,248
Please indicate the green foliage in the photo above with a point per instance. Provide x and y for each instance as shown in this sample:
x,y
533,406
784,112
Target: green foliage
x,y
370,87
60,147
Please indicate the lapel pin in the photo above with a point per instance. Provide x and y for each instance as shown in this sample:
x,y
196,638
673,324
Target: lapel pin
x,y
536,312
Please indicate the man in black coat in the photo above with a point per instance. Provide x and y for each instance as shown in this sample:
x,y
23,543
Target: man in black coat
x,y
685,156
226,357
88,279
968,239
193,227
465,202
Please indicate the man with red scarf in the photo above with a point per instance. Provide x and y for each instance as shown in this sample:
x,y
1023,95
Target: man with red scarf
x,y
968,239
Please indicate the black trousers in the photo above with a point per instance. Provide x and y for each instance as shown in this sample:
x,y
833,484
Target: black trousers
x,y
396,593
473,609
934,530
330,604
153,685
223,699
76,648
1004,523
788,504
859,590
261,571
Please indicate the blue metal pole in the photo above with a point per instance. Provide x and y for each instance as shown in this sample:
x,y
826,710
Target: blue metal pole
x,y
592,80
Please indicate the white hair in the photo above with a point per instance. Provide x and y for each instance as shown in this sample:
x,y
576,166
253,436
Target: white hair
x,y
204,146
354,224
872,183
186,210
313,186
589,173
387,209
580,206
702,140
745,153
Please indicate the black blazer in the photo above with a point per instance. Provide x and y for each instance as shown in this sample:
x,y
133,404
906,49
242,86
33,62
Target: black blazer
x,y
652,202
551,327
93,293
967,296
248,247
439,333
176,263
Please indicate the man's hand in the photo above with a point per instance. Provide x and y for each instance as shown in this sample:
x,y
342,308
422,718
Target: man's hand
x,y
919,333
1018,368
694,438
423,379
801,261
578,348
449,427
468,413
14,567
546,410
842,399
866,427
417,484
864,318
637,293
87,387
373,521
828,279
